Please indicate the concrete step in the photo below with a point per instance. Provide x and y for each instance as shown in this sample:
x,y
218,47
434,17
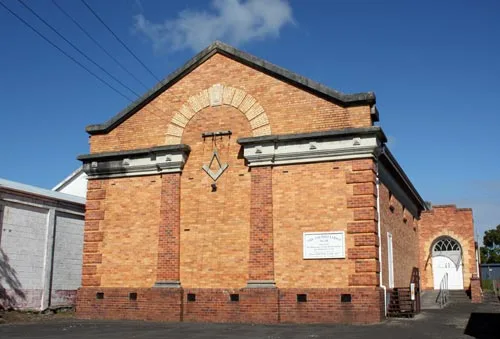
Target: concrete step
x,y
459,296
428,300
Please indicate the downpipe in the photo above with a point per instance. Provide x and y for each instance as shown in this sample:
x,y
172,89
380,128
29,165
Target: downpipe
x,y
377,181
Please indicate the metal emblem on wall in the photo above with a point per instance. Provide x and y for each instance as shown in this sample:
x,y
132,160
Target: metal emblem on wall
x,y
222,167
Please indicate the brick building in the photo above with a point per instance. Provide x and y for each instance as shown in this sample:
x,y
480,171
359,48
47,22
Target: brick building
x,y
236,190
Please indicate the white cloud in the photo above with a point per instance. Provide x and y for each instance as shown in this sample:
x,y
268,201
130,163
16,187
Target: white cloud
x,y
138,3
233,21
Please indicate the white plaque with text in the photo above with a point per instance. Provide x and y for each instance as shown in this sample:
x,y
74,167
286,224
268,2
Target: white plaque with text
x,y
324,245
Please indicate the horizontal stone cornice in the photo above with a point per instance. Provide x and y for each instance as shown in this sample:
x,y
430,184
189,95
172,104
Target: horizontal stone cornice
x,y
346,132
155,160
312,147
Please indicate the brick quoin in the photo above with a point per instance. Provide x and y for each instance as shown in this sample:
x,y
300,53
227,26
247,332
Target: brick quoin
x,y
89,269
93,205
362,227
92,258
94,215
363,204
364,279
93,235
366,188
369,265
366,240
365,252
95,194
91,280
91,225
90,247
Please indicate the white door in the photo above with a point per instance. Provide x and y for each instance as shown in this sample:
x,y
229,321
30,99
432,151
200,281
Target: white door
x,y
442,265
390,260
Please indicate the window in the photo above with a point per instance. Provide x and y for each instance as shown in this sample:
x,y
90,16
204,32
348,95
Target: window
x,y
446,244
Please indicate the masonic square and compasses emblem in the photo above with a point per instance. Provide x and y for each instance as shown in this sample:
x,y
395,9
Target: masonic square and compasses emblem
x,y
222,167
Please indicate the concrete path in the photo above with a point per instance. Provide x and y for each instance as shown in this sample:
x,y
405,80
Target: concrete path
x,y
454,322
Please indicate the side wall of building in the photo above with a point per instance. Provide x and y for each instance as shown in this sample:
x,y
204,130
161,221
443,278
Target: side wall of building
x,y
40,252
398,221
446,220
67,261
24,236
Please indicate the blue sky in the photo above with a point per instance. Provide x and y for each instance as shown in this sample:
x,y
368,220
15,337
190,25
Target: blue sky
x,y
434,66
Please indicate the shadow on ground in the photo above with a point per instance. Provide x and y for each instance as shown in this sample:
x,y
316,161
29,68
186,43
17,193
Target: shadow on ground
x,y
483,325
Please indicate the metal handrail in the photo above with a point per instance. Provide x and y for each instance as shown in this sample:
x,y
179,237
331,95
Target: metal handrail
x,y
444,293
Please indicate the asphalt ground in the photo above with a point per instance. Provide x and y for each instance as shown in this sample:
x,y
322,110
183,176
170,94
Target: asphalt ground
x,y
454,321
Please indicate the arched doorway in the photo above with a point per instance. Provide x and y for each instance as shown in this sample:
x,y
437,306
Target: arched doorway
x,y
447,259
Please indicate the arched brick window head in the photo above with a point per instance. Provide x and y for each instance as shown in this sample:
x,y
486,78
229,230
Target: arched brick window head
x,y
219,95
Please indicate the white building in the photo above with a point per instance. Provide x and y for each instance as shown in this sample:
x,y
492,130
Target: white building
x,y
41,244
74,184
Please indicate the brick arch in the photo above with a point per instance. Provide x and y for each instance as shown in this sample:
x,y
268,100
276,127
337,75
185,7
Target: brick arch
x,y
218,95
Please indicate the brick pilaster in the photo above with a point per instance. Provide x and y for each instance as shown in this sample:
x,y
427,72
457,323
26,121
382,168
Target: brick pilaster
x,y
475,289
261,255
363,229
93,234
168,268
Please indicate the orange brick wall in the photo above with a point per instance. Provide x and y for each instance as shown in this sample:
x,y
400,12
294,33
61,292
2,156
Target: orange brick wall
x,y
215,225
450,221
332,196
121,237
404,239
309,198
289,109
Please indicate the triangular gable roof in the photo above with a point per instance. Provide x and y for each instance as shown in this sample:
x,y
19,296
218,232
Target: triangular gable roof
x,y
68,179
366,98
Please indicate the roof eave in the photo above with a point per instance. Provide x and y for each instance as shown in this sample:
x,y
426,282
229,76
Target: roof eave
x,y
401,175
40,192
